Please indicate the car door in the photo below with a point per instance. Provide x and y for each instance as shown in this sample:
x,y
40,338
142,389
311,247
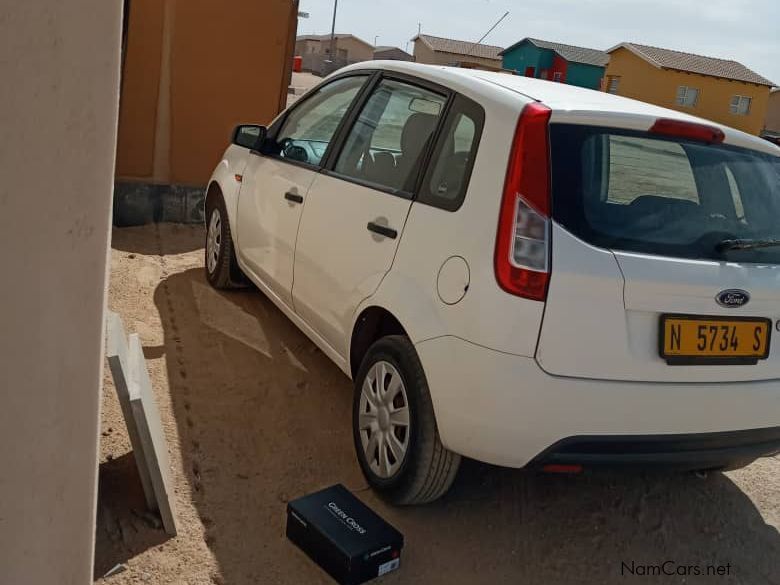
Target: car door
x,y
356,209
276,183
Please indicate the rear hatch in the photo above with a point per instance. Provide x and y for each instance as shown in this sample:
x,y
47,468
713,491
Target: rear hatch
x,y
665,257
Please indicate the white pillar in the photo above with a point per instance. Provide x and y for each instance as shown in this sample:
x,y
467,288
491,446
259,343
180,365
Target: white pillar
x,y
59,66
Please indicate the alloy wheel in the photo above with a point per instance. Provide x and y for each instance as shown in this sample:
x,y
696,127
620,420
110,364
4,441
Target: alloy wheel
x,y
384,419
214,241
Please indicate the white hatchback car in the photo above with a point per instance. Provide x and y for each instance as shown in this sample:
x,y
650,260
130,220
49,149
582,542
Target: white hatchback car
x,y
513,270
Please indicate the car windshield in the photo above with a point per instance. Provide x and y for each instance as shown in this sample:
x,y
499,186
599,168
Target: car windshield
x,y
639,192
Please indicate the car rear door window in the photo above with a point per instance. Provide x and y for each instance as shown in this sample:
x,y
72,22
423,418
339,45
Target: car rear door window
x,y
634,191
449,172
309,128
391,136
640,167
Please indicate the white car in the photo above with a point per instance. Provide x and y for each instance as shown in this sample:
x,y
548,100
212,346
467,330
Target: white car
x,y
517,271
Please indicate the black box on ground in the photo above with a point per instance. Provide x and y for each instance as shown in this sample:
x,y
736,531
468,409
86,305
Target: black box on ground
x,y
343,536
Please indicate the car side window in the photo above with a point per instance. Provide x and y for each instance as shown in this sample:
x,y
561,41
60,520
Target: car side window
x,y
309,128
390,138
448,176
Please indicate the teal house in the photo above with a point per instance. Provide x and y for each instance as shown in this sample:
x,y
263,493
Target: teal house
x,y
557,62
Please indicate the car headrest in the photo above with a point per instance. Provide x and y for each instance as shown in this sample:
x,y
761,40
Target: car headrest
x,y
416,132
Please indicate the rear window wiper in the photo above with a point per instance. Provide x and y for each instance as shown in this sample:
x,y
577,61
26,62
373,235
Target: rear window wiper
x,y
726,245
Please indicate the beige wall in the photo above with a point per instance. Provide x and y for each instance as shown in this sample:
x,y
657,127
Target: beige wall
x,y
193,71
58,114
642,81
356,50
773,112
308,47
424,54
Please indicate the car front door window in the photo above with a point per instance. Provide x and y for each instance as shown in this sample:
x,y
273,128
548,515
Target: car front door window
x,y
309,128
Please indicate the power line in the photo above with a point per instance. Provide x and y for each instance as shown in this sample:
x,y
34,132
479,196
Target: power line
x,y
492,28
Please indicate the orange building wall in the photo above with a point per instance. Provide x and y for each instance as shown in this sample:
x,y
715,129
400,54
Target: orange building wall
x,y
193,70
140,85
773,113
642,81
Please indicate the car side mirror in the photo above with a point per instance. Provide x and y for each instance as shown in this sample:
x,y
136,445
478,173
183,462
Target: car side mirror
x,y
249,136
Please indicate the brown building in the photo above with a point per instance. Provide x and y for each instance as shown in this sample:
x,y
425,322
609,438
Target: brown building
x,y
391,54
315,50
192,71
441,51
772,123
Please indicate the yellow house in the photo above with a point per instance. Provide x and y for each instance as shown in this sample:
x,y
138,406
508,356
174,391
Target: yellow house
x,y
716,89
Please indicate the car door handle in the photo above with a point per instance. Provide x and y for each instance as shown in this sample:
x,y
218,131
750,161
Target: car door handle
x,y
382,230
294,197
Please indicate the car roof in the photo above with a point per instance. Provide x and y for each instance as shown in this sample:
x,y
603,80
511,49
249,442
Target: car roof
x,y
569,103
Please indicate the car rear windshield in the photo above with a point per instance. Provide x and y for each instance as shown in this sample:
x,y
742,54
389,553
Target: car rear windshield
x,y
639,192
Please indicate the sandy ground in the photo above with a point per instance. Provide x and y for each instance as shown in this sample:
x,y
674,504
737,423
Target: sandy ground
x,y
255,415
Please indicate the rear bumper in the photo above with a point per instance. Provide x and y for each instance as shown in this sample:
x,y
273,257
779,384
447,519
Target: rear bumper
x,y
505,410
685,452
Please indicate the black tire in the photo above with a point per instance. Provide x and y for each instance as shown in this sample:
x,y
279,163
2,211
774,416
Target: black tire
x,y
427,469
226,273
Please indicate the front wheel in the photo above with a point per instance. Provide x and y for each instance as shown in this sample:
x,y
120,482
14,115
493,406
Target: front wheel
x,y
222,269
394,427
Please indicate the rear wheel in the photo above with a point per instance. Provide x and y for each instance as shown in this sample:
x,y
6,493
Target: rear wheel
x,y
222,269
394,427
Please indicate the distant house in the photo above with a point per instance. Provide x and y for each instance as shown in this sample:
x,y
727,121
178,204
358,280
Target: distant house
x,y
717,89
557,62
772,122
391,54
441,51
315,50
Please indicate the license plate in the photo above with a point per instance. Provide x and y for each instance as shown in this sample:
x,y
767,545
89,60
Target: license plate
x,y
687,339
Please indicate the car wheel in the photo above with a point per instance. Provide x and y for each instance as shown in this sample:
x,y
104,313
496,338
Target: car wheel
x,y
222,269
394,427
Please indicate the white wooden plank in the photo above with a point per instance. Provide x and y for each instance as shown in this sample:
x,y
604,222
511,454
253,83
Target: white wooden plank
x,y
147,418
117,354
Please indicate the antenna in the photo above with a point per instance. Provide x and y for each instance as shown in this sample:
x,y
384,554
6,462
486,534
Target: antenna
x,y
492,28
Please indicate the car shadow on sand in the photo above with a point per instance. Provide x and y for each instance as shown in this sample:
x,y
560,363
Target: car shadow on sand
x,y
264,417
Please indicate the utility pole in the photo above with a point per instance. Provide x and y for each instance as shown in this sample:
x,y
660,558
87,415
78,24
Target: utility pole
x,y
333,34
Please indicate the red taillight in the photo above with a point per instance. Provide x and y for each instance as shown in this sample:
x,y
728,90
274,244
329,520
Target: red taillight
x,y
523,240
689,130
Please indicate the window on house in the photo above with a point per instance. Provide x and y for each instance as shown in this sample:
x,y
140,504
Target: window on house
x,y
613,82
687,96
557,76
740,105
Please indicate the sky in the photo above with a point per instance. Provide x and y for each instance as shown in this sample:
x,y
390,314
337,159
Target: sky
x,y
744,30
